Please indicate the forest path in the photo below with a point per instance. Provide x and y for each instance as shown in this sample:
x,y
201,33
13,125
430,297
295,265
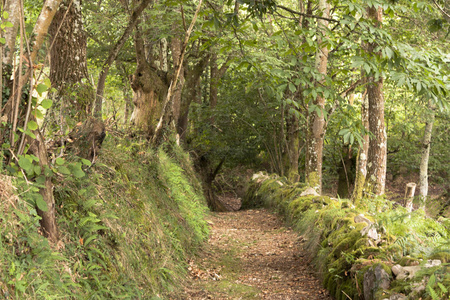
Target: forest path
x,y
252,255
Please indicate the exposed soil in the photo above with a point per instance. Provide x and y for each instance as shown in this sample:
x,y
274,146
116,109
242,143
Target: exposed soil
x,y
252,255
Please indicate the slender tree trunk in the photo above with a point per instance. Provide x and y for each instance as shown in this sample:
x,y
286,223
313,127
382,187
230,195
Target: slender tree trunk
x,y
426,146
48,218
113,54
376,173
165,112
176,101
10,34
361,163
191,93
316,121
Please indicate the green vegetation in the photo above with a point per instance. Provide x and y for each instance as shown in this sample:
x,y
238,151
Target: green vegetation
x,y
127,228
343,255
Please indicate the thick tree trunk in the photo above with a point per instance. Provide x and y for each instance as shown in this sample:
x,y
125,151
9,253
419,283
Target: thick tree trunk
x,y
149,86
68,64
426,146
376,172
316,121
361,163
68,53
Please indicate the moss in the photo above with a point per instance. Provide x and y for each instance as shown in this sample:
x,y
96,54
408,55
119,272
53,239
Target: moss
x,y
408,261
443,256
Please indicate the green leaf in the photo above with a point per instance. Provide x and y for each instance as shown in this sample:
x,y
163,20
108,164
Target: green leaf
x,y
292,87
37,170
5,14
41,88
46,103
63,170
2,40
25,163
8,24
38,114
78,173
59,161
30,134
40,203
32,125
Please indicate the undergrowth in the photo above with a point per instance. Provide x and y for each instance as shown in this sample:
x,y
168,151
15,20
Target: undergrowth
x,y
343,255
126,228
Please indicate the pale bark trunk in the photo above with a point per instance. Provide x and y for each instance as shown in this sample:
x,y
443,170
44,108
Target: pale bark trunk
x,y
316,121
112,56
426,146
12,7
409,196
376,172
361,163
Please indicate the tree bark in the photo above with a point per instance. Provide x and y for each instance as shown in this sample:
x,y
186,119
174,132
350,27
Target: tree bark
x,y
361,163
12,7
316,121
149,87
113,54
426,146
68,63
166,106
68,53
376,173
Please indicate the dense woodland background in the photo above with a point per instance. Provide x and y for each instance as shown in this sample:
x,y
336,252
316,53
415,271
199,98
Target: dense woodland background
x,y
350,97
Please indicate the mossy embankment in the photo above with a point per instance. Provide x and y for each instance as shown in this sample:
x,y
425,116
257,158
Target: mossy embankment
x,y
372,250
126,228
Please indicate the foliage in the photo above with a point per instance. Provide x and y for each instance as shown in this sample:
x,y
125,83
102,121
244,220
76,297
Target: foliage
x,y
127,226
343,254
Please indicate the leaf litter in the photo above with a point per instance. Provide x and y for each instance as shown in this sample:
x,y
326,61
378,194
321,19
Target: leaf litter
x,y
251,254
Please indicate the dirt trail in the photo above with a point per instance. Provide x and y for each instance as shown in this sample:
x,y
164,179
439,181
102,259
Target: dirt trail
x,y
252,255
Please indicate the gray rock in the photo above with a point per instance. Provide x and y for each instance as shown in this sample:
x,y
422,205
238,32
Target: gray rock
x,y
309,192
433,263
406,272
374,279
361,219
370,231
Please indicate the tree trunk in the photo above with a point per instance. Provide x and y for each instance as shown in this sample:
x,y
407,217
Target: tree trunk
x,y
149,86
12,7
361,163
68,53
113,54
48,218
316,121
176,100
190,93
426,146
376,173
166,111
68,64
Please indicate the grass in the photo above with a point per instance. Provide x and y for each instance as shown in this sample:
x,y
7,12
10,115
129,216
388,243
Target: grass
x,y
127,229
